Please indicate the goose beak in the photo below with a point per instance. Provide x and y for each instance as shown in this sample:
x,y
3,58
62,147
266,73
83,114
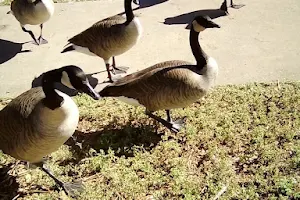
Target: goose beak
x,y
212,24
88,89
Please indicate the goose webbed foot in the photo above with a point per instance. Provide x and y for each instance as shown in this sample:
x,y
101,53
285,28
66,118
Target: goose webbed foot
x,y
173,126
35,42
237,6
42,40
112,79
71,189
232,5
178,124
79,144
119,70
115,78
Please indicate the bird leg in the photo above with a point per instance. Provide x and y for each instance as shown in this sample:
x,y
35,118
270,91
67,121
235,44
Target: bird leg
x,y
31,34
41,39
178,123
69,188
173,126
235,6
118,70
168,112
110,77
108,73
232,5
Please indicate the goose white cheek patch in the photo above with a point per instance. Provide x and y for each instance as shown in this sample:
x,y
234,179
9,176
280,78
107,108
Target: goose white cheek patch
x,y
65,80
197,27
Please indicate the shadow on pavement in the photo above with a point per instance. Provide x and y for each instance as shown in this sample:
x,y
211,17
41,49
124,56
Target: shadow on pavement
x,y
187,18
146,4
9,49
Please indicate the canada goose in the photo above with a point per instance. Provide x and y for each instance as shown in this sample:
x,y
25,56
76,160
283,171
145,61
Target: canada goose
x,y
33,13
39,121
232,5
108,38
170,84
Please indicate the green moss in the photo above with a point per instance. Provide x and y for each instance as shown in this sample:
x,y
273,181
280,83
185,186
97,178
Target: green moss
x,y
244,137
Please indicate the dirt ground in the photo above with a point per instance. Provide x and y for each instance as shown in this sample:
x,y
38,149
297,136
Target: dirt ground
x,y
259,42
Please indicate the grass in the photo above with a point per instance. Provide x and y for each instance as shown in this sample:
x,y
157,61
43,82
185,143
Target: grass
x,y
241,140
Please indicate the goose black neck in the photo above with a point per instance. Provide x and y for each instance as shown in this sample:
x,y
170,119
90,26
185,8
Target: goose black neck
x,y
198,52
128,11
52,99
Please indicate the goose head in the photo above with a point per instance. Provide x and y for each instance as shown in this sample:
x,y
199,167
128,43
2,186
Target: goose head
x,y
200,23
74,78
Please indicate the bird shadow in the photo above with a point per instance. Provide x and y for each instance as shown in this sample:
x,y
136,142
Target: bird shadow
x,y
149,3
8,184
9,49
186,18
37,82
145,4
122,139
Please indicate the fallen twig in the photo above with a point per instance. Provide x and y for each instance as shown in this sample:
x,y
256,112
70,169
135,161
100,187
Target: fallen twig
x,y
224,188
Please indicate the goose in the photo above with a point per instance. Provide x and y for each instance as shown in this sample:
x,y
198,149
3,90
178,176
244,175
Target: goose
x,y
40,120
170,84
108,38
232,5
33,13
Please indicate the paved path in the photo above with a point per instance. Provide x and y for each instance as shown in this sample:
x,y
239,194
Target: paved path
x,y
259,42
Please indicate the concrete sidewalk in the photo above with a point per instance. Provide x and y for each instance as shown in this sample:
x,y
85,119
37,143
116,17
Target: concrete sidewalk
x,y
259,42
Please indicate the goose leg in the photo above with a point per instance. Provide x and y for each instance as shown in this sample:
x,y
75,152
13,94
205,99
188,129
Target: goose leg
x,y
110,77
178,123
118,70
31,34
169,119
236,6
170,125
108,72
41,39
69,188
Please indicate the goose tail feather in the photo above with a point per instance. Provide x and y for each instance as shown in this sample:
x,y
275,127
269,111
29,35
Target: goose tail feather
x,y
69,48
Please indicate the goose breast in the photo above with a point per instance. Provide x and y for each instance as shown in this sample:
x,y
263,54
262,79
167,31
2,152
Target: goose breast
x,y
28,13
39,131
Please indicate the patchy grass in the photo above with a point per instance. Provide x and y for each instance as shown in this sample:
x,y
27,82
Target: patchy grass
x,y
242,139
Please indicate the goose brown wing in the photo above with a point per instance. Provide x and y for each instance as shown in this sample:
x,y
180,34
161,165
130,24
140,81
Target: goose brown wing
x,y
147,81
14,119
100,32
167,85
